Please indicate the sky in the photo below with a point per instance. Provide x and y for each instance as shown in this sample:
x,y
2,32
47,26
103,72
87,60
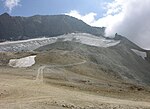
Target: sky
x,y
129,18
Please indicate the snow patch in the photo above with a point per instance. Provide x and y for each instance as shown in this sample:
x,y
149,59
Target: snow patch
x,y
22,62
89,39
22,41
26,45
140,53
32,44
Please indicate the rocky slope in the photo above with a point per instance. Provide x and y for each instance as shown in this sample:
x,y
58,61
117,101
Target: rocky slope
x,y
17,27
119,61
69,68
117,57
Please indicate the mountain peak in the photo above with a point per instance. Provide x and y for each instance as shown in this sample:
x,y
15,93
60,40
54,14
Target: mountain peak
x,y
42,25
118,37
5,14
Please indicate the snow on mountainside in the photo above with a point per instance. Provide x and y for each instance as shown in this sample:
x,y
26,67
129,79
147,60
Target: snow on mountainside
x,y
32,44
140,53
22,62
26,45
90,40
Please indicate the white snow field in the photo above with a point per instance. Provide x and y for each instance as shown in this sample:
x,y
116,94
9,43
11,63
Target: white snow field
x,y
26,45
140,53
89,39
32,44
22,62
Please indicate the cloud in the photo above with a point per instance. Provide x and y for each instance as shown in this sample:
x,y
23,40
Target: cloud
x,y
129,18
88,18
10,4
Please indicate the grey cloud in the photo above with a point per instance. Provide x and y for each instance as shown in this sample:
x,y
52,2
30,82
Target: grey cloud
x,y
135,24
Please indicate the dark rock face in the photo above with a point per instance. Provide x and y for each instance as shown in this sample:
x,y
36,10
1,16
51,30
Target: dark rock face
x,y
148,56
15,28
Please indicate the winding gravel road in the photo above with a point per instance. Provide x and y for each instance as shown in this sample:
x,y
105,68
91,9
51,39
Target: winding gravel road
x,y
39,76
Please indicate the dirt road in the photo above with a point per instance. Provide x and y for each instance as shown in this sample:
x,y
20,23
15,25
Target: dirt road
x,y
21,92
39,76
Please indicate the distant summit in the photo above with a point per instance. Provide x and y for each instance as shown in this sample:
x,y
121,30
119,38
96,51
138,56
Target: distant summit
x,y
5,14
16,27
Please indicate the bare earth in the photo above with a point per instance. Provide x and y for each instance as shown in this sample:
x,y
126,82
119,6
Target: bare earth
x,y
23,91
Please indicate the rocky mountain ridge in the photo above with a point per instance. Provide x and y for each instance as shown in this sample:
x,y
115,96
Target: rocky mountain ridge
x,y
17,27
